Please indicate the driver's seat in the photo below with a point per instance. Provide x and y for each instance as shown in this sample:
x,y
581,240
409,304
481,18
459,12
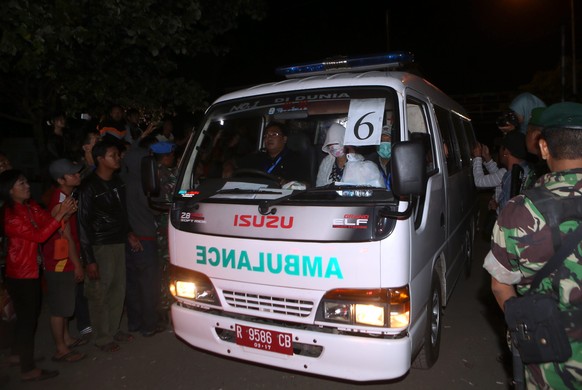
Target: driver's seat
x,y
300,143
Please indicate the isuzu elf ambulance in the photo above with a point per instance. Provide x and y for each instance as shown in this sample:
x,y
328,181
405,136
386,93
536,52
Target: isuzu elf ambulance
x,y
346,280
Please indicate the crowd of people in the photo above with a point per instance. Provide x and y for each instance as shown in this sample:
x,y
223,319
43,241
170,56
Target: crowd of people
x,y
93,243
100,245
512,171
540,157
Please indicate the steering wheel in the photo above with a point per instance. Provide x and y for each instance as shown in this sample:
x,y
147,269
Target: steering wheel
x,y
256,173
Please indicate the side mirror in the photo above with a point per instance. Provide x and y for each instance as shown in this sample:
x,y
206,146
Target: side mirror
x,y
150,179
408,169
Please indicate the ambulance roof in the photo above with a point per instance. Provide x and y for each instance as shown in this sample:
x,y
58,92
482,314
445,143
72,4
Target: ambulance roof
x,y
359,76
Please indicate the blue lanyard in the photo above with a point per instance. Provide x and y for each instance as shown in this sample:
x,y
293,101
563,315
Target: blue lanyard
x,y
274,165
386,179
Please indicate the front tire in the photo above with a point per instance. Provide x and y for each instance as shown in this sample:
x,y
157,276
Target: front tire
x,y
429,352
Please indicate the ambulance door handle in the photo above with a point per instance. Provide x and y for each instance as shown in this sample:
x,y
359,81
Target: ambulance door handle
x,y
442,219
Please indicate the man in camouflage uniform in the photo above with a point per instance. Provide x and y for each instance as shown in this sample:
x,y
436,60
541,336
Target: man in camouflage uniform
x,y
522,243
164,155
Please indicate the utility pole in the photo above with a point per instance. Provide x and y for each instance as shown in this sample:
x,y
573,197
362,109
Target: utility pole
x,y
563,67
574,86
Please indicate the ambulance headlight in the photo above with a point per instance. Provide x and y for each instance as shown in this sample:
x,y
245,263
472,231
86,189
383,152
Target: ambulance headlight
x,y
388,308
338,311
370,315
193,286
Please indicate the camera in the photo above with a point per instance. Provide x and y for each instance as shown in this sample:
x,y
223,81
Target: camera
x,y
506,119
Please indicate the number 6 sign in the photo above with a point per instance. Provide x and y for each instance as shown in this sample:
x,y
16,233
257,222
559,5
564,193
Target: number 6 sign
x,y
364,125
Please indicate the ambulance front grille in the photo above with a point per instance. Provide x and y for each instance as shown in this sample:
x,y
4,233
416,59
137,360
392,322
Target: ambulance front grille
x,y
285,306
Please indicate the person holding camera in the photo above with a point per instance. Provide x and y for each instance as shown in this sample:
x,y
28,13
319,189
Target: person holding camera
x,y
525,238
507,122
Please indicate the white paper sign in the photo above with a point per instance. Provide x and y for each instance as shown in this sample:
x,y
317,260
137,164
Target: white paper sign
x,y
364,125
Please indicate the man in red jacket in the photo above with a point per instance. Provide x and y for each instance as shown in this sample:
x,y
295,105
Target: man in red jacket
x,y
63,270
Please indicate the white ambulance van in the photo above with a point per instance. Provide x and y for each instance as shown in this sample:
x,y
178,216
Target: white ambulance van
x,y
345,280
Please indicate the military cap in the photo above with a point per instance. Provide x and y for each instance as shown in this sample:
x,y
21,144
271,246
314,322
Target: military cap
x,y
562,115
536,113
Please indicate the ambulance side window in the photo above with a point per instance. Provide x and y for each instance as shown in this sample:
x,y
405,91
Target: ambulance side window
x,y
417,123
445,124
464,143
469,133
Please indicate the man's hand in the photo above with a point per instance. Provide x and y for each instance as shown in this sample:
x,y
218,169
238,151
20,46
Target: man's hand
x,y
134,243
93,271
485,153
477,150
492,205
502,292
151,127
79,273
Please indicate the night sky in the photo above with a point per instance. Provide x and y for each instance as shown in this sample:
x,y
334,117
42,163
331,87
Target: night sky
x,y
464,46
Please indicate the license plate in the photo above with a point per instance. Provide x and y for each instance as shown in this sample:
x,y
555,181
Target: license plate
x,y
266,340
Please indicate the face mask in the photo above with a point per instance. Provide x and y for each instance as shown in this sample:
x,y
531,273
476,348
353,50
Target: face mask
x,y
336,150
384,149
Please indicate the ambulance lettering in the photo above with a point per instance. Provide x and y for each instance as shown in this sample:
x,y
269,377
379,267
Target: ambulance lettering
x,y
314,97
273,263
351,221
244,106
268,221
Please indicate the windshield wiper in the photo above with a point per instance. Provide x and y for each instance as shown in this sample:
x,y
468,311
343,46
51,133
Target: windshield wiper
x,y
265,205
214,187
232,191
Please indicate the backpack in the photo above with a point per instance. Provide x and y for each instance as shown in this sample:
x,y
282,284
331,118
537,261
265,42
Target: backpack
x,y
555,209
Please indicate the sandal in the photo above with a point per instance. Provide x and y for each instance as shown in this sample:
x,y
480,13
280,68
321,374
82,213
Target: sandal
x,y
122,337
44,374
14,360
158,329
71,357
78,342
110,347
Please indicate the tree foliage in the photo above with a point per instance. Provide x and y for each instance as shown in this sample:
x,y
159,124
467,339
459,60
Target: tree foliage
x,y
554,85
83,55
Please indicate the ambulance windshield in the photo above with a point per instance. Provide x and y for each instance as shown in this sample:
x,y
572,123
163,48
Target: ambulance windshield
x,y
277,144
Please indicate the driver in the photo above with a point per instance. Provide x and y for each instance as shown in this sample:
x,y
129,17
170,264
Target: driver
x,y
276,159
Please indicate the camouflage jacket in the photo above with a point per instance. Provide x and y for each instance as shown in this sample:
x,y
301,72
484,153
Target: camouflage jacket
x,y
521,245
167,183
522,242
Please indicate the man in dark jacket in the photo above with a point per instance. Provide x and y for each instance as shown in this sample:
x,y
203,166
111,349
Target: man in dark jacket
x,y
103,232
277,159
143,266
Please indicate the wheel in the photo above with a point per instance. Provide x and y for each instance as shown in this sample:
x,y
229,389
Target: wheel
x,y
429,352
255,173
468,252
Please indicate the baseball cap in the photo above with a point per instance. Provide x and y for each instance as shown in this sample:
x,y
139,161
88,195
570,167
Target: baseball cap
x,y
163,147
61,167
514,141
565,115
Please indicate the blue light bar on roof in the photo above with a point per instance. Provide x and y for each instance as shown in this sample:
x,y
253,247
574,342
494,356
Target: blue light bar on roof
x,y
348,64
